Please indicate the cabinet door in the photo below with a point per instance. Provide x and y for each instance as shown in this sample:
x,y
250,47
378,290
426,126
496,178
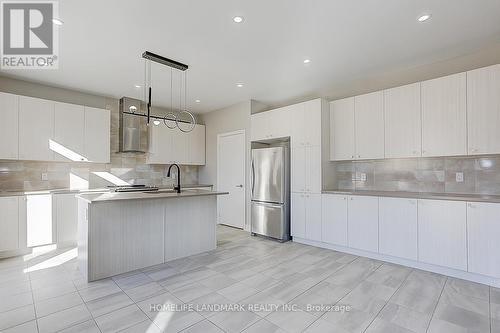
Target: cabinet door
x,y
483,235
342,136
36,128
313,216
298,215
313,169
334,219
9,227
97,135
259,126
298,172
9,127
312,123
180,144
444,130
69,132
398,227
278,122
160,145
197,145
40,222
363,223
403,127
442,233
483,110
66,217
297,131
369,117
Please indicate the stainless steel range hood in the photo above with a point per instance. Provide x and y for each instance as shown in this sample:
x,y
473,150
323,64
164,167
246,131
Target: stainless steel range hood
x,y
133,130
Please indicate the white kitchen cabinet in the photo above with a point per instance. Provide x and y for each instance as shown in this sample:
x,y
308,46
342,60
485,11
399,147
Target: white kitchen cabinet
x,y
313,216
403,127
313,169
369,123
259,126
9,126
334,219
41,229
9,227
65,212
363,223
180,146
69,132
298,169
342,132
483,229
160,145
312,123
36,128
483,110
271,124
196,144
298,215
444,131
398,227
97,135
442,235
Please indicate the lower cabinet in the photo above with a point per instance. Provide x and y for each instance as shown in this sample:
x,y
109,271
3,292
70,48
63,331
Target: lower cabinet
x,y
483,228
334,219
442,233
65,212
363,223
398,227
9,228
306,216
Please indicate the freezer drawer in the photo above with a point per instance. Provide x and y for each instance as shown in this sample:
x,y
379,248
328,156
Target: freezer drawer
x,y
270,220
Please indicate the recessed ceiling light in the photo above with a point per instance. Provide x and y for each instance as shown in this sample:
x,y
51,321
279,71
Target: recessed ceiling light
x,y
57,21
306,61
238,19
137,86
424,17
239,85
156,122
197,101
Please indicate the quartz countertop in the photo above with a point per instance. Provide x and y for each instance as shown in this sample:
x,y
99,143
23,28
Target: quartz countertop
x,y
421,195
15,193
165,194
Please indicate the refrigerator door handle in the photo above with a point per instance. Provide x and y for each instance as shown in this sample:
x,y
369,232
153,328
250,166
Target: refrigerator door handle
x,y
253,177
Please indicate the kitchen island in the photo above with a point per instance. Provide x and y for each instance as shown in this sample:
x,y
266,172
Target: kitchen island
x,y
122,232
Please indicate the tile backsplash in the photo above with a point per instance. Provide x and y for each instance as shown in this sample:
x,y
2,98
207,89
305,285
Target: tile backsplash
x,y
128,167
481,175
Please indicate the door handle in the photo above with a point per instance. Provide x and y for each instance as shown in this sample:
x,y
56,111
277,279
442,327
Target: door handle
x,y
240,186
253,177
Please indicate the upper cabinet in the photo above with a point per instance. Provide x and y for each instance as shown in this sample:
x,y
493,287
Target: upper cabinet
x,y
36,128
9,130
97,135
306,123
444,116
483,110
369,120
69,132
342,138
403,127
196,145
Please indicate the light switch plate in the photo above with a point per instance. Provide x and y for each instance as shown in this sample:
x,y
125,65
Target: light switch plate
x,y
45,176
459,177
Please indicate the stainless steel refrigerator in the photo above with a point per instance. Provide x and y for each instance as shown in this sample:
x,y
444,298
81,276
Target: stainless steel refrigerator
x,y
270,208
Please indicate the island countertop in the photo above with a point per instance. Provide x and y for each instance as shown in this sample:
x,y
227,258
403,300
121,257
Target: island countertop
x,y
161,194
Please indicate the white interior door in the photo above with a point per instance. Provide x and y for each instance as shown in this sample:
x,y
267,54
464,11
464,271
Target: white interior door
x,y
231,150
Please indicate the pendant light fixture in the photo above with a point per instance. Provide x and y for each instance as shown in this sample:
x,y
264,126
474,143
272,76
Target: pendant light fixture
x,y
174,117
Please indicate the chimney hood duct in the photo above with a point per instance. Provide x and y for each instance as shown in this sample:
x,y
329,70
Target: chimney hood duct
x,y
133,129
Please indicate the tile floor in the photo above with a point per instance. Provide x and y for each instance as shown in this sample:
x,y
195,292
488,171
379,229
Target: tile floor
x,y
45,293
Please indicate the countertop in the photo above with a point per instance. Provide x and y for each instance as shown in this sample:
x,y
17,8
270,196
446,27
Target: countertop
x,y
15,193
421,195
117,196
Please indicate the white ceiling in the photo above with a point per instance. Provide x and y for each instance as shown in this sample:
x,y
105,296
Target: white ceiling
x,y
101,43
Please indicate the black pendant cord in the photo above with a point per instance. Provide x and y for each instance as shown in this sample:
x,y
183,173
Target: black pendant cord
x,y
149,105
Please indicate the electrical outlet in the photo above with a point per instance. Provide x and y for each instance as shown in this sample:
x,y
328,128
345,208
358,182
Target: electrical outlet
x,y
459,177
45,176
362,176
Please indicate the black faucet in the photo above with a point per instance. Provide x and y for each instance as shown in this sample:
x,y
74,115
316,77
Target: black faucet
x,y
178,187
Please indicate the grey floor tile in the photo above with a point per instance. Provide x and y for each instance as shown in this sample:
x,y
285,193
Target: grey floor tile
x,y
15,301
264,326
331,291
322,326
15,288
62,288
88,326
450,297
291,321
120,319
191,291
17,316
233,322
29,327
468,288
405,317
56,304
466,319
140,293
310,302
130,281
96,291
203,327
262,303
353,320
237,292
217,281
495,325
211,304
161,273
495,310
145,327
495,295
110,303
260,281
381,326
63,319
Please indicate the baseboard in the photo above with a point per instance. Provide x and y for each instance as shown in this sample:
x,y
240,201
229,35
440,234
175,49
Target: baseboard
x,y
494,282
